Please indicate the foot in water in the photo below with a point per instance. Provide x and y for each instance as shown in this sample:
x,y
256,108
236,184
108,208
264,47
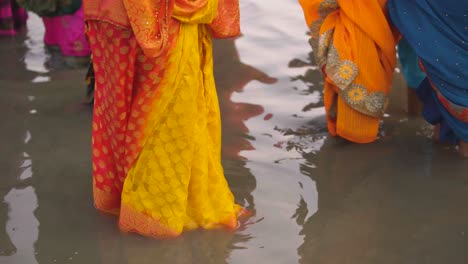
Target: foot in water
x,y
463,149
462,146
436,133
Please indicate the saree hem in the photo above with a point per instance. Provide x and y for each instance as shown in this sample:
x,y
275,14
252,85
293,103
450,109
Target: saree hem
x,y
133,221
106,202
458,111
433,113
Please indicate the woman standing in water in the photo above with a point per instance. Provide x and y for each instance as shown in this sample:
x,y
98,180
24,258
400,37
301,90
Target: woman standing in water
x,y
156,125
12,17
64,25
354,47
66,30
438,33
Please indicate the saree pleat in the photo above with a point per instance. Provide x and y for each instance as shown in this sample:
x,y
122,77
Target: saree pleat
x,y
354,47
156,128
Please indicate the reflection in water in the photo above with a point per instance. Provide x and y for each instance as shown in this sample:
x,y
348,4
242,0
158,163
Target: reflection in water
x,y
22,225
41,79
7,248
388,202
26,167
213,247
309,78
36,57
231,77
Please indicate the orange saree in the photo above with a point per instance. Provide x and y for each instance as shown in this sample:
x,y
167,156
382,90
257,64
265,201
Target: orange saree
x,y
156,124
354,46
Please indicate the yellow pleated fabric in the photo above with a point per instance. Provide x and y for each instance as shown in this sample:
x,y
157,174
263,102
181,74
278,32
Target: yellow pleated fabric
x,y
177,182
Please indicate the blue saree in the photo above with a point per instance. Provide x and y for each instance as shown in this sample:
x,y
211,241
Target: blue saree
x,y
438,33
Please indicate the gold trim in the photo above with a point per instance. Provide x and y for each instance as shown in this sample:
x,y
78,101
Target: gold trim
x,y
343,73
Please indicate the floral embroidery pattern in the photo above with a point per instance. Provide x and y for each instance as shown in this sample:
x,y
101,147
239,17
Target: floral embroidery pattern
x,y
355,94
358,97
342,72
376,102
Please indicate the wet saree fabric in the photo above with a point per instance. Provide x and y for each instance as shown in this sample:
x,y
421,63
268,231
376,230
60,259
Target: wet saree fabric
x,y
437,31
67,32
12,17
156,126
354,46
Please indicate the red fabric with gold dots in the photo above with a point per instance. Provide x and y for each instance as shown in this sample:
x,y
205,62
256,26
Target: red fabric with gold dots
x,y
127,84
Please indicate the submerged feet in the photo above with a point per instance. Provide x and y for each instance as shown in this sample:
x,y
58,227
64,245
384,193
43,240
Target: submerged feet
x,y
463,149
462,146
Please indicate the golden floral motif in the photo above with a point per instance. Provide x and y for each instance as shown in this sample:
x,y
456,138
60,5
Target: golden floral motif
x,y
358,97
321,50
355,94
342,72
347,70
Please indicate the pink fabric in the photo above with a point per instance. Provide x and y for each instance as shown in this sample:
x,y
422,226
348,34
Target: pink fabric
x,y
12,17
6,14
68,33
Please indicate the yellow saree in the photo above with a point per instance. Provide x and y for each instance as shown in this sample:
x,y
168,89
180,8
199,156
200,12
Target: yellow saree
x,y
156,127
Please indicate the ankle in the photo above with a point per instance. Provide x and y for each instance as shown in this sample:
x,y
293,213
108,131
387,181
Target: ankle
x,y
463,149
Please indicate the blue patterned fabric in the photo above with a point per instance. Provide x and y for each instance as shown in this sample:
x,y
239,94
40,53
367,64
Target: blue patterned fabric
x,y
438,33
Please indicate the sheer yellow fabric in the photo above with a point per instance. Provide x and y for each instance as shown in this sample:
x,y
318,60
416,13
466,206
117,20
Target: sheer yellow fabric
x,y
177,182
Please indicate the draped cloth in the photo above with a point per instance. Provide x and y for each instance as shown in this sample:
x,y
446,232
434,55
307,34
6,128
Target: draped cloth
x,y
67,32
156,125
354,47
12,17
437,32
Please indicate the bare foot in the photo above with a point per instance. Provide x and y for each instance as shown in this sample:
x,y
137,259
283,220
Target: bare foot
x,y
463,149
